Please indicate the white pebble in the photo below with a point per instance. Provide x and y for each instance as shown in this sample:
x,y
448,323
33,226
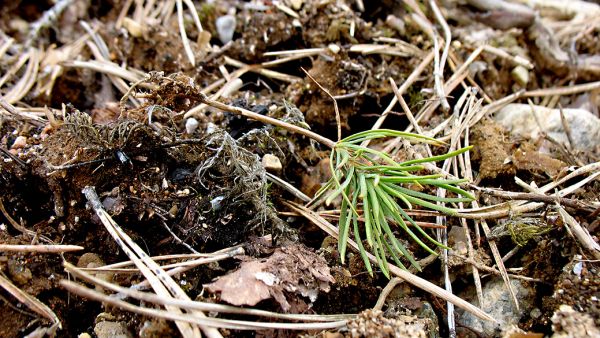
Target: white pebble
x,y
191,125
272,163
225,28
20,142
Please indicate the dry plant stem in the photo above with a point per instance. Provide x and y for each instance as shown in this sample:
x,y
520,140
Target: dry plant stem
x,y
212,323
260,70
101,53
441,62
515,196
338,120
14,68
389,287
405,85
106,68
266,119
517,60
14,112
186,44
410,116
468,174
576,89
486,268
33,303
454,81
188,264
462,111
290,188
8,42
199,108
40,248
452,62
27,80
579,232
303,52
160,258
395,281
175,237
194,305
46,20
498,260
181,269
518,207
162,283
22,229
405,275
123,14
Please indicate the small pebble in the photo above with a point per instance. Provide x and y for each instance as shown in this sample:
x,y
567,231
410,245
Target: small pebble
x,y
521,75
334,48
18,272
191,125
296,4
225,28
396,23
215,203
112,330
133,27
272,163
20,142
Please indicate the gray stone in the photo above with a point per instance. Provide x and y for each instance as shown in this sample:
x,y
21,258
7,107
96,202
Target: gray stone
x,y
108,329
225,27
498,304
568,323
525,121
191,125
272,163
521,75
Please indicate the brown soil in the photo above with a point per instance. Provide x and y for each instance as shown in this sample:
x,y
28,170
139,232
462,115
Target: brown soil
x,y
172,187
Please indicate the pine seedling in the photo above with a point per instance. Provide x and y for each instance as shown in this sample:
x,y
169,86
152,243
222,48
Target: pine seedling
x,y
371,178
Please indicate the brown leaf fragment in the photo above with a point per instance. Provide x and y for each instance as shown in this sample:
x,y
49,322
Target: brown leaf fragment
x,y
294,269
241,287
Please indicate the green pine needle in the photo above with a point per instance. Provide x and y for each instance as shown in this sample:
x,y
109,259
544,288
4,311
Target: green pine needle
x,y
373,178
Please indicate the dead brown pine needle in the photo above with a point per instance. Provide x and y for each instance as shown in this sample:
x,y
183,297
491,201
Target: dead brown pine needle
x,y
338,119
40,248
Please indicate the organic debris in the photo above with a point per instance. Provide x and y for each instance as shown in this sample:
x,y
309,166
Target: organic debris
x,y
293,269
187,154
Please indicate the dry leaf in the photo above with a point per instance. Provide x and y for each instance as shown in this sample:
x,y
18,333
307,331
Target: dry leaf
x,y
294,269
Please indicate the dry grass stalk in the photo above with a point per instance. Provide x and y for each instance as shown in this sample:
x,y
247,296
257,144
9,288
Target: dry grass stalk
x,y
439,64
405,85
516,60
578,232
207,322
186,44
335,105
266,119
162,283
31,302
570,90
259,69
56,248
18,114
394,50
188,264
22,87
196,305
105,67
